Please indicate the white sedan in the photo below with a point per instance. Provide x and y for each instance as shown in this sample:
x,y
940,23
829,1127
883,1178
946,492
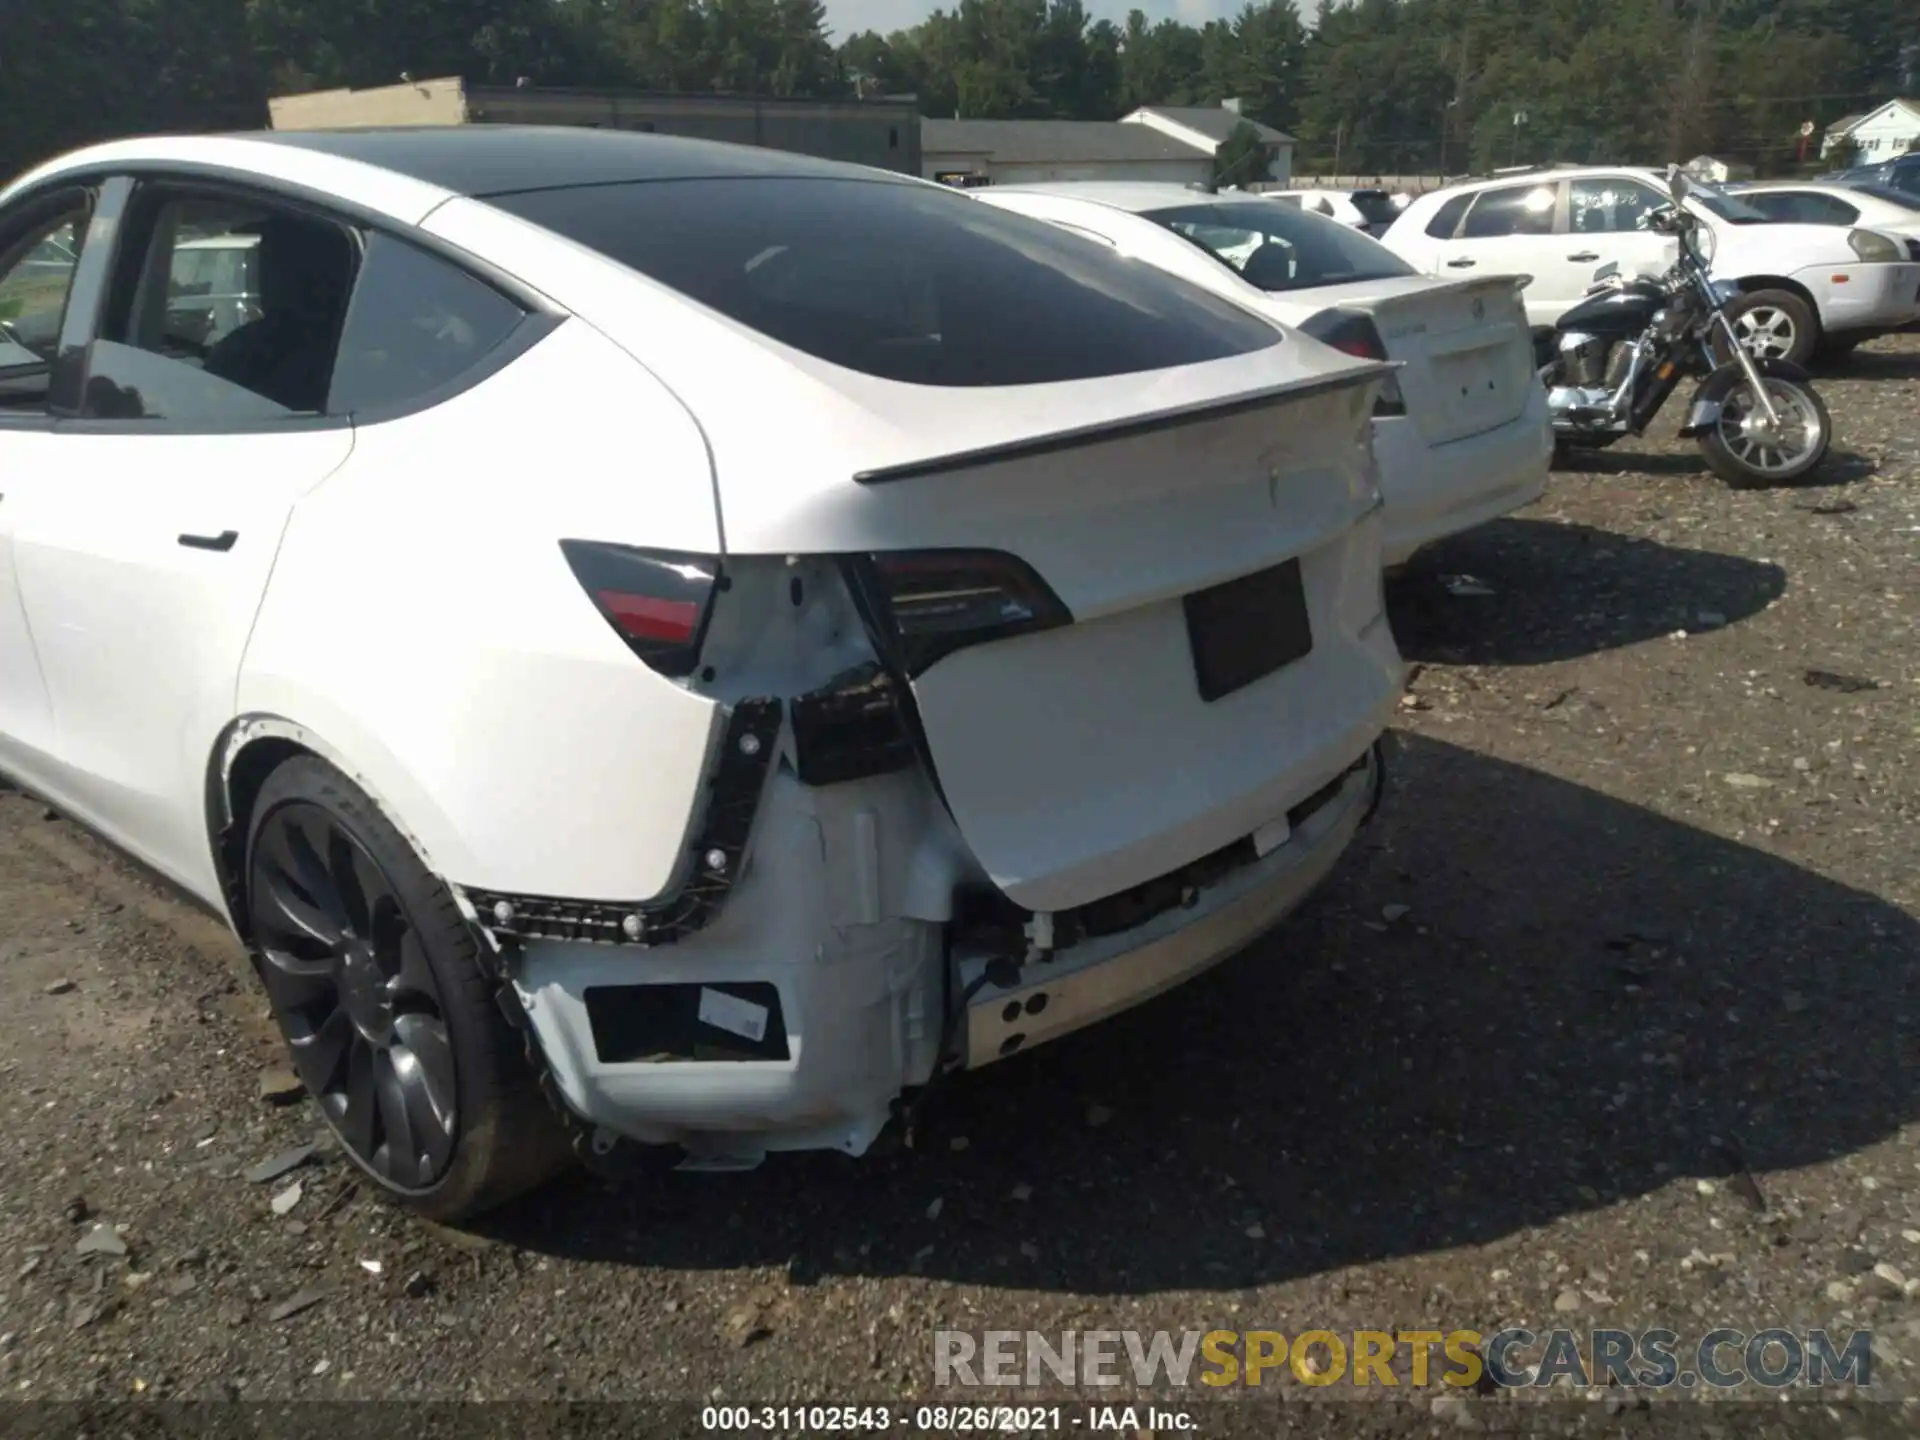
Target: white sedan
x,y
712,636
1803,286
1462,434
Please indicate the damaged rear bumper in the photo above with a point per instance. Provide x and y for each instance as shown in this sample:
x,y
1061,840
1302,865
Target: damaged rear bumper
x,y
1103,976
798,1016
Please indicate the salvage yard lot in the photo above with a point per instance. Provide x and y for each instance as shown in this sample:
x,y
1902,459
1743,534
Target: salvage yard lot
x,y
1612,1018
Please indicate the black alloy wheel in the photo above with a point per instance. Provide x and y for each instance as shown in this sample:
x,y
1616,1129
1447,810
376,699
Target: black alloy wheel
x,y
351,984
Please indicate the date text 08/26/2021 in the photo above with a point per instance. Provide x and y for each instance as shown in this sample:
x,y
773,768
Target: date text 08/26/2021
x,y
946,1419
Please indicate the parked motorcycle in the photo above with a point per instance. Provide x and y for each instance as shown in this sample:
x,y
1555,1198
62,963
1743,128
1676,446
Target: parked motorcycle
x,y
1615,358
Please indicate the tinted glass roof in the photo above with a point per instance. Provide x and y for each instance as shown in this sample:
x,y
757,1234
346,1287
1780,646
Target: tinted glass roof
x,y
498,159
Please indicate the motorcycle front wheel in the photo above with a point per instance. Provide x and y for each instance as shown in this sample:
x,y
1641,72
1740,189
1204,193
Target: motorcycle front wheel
x,y
1747,451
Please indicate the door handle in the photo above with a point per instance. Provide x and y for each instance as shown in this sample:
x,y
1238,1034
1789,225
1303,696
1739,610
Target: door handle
x,y
1461,264
222,542
1585,257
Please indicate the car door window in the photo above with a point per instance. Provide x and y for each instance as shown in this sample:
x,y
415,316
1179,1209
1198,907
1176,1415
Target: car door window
x,y
1446,219
1835,211
173,346
1510,210
37,268
1607,205
417,325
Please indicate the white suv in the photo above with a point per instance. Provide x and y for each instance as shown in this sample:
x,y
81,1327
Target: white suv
x,y
1805,285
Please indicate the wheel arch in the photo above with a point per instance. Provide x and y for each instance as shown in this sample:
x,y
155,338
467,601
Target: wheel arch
x,y
1753,284
250,749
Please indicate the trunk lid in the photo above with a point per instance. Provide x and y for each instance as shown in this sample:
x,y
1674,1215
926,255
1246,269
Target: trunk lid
x,y
1083,760
1465,347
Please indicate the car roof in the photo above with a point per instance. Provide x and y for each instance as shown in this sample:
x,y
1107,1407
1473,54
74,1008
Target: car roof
x,y
409,169
1136,196
483,160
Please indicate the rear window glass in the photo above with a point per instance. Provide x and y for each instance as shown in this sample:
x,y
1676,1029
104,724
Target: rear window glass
x,y
1277,246
905,282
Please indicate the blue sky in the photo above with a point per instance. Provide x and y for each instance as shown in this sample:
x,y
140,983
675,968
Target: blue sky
x,y
849,17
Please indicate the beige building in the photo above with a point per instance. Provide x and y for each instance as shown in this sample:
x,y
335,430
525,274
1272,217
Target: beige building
x,y
881,133
1207,127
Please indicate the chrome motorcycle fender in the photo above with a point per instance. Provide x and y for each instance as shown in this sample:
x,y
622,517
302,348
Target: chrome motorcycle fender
x,y
1703,411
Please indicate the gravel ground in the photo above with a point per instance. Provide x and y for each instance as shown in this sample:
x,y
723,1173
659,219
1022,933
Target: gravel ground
x,y
1608,1020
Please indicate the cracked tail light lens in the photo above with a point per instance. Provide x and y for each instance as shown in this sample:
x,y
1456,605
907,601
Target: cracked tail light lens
x,y
657,601
1352,332
939,601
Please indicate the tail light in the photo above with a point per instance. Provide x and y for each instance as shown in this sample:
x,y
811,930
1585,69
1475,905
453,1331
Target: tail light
x,y
657,601
929,603
1352,332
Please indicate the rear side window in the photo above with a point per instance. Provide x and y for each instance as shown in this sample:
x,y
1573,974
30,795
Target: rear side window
x,y
904,282
175,346
416,325
237,312
1511,210
1281,247
1782,207
1804,207
1446,219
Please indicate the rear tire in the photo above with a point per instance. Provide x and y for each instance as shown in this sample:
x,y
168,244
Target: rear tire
x,y
1772,325
375,979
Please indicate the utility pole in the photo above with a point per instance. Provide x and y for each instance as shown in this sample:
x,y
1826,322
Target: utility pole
x,y
1446,117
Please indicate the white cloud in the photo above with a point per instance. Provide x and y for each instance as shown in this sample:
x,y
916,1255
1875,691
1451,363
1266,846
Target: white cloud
x,y
850,17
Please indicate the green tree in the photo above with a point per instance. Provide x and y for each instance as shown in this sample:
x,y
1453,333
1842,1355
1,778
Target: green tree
x,y
1241,158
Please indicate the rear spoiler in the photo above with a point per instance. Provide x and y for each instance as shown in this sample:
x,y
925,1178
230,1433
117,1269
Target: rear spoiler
x,y
1198,412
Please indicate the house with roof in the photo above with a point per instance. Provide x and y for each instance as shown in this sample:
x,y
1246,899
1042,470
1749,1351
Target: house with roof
x,y
1207,127
1878,134
1011,152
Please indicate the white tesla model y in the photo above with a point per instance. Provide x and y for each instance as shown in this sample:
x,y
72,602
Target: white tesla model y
x,y
715,636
